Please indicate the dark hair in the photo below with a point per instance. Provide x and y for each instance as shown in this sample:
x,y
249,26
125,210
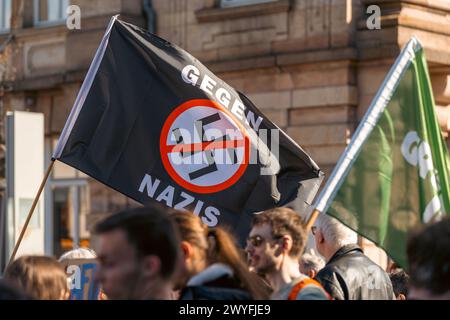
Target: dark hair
x,y
400,280
10,292
40,277
218,246
150,231
285,221
428,252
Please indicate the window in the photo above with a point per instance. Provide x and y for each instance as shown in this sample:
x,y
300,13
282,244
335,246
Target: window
x,y
70,209
67,207
48,12
236,3
5,15
238,9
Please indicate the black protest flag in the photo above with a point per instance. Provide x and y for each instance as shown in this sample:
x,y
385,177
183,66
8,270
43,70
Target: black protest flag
x,y
153,123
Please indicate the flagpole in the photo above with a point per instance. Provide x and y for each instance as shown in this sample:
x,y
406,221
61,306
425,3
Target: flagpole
x,y
312,218
30,213
365,127
367,123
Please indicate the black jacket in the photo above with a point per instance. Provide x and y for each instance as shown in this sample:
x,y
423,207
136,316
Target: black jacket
x,y
217,282
350,275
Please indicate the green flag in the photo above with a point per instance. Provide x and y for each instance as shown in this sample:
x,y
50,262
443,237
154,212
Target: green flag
x,y
394,174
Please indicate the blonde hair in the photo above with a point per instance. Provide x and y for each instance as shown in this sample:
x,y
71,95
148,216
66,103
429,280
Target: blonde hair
x,y
40,277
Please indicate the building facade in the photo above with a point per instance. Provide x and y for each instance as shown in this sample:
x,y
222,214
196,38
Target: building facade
x,y
312,66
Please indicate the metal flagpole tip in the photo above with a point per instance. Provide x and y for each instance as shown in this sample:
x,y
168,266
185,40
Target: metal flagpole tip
x,y
415,43
114,18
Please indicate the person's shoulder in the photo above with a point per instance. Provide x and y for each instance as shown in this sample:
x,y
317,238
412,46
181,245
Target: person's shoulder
x,y
312,292
205,292
308,289
328,273
332,281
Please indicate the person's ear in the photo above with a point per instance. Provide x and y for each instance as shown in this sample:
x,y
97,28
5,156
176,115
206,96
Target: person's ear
x,y
151,266
401,296
286,243
312,273
320,237
187,250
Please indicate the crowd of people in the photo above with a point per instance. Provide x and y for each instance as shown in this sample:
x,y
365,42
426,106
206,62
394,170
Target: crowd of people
x,y
155,252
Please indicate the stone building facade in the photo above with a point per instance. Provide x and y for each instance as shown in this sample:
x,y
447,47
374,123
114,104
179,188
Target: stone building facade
x,y
312,66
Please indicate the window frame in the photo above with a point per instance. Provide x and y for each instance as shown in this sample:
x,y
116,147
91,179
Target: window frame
x,y
7,27
216,13
241,3
76,183
49,23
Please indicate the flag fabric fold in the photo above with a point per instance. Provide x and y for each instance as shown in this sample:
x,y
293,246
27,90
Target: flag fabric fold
x,y
394,174
153,123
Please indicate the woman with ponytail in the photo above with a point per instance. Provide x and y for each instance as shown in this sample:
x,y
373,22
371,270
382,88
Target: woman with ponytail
x,y
213,268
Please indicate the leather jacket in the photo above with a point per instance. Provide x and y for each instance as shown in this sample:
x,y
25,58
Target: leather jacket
x,y
351,275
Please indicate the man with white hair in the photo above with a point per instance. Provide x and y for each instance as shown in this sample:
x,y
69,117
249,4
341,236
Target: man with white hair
x,y
348,274
78,253
311,264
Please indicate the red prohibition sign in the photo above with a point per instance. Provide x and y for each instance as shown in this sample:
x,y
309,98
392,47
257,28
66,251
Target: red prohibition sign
x,y
166,149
